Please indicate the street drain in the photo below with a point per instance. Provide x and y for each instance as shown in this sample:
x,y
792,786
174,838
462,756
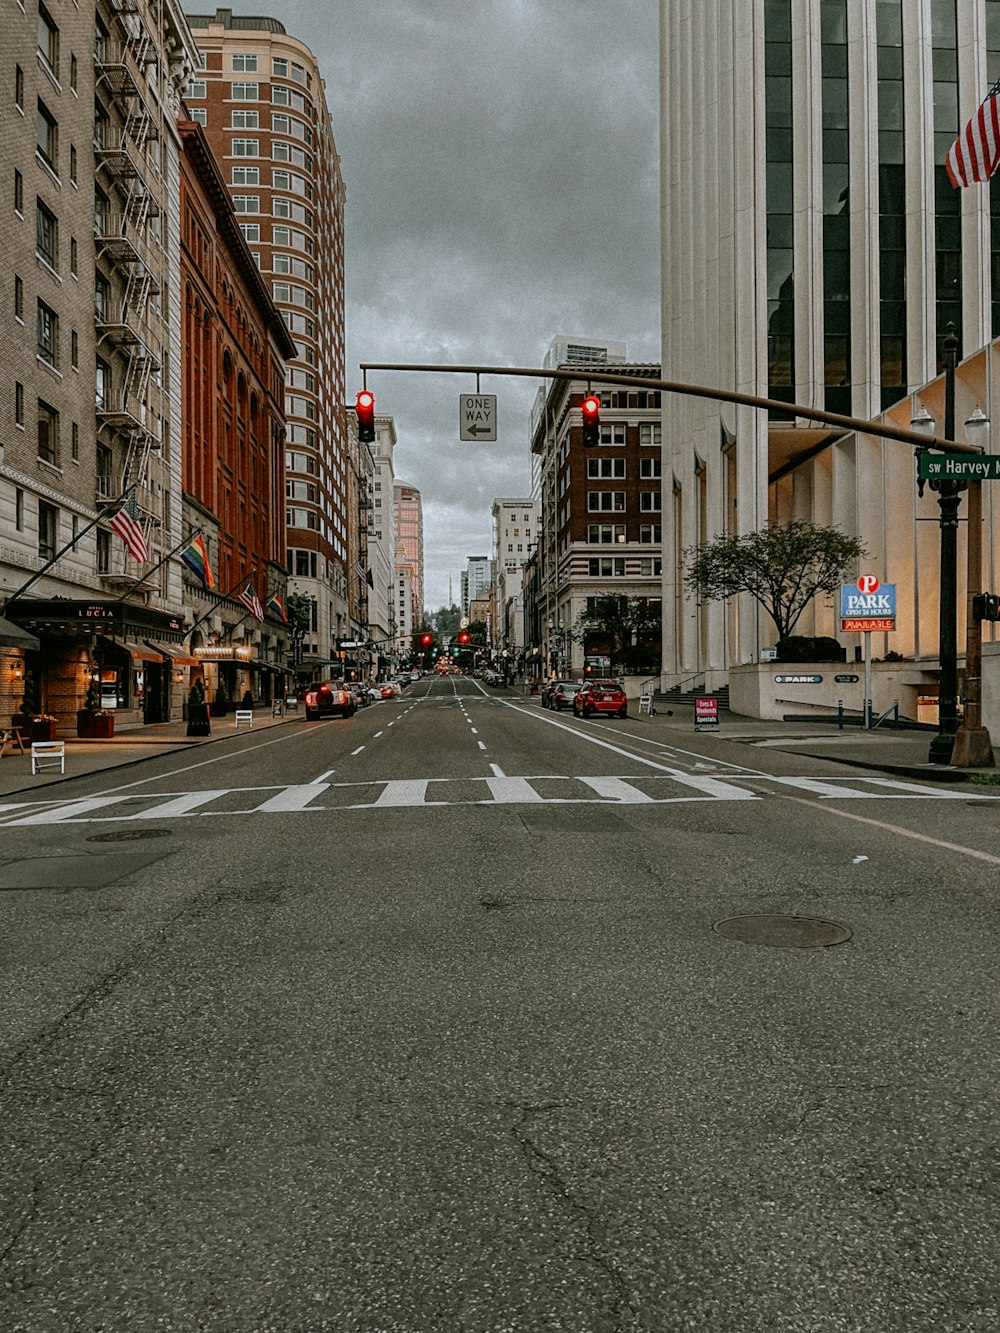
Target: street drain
x,y
782,932
130,835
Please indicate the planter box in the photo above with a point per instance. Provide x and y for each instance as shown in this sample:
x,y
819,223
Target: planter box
x,y
42,731
199,723
219,709
102,727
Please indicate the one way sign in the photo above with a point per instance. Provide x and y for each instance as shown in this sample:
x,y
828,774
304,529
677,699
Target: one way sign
x,y
477,416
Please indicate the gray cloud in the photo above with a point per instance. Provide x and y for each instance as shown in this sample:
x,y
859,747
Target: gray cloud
x,y
500,159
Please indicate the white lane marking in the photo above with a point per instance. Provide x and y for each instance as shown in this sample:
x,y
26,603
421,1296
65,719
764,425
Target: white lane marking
x,y
497,771
68,812
614,789
481,745
475,731
411,792
181,805
377,735
357,751
513,791
825,789
292,798
903,832
323,776
885,789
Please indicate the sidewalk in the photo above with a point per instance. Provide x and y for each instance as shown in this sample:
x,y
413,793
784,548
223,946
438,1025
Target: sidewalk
x,y
132,746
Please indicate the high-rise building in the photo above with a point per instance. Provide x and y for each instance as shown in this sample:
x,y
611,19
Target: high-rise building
x,y
515,536
476,580
90,405
814,251
381,542
408,524
260,98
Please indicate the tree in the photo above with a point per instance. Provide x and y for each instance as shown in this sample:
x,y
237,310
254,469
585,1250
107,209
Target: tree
x,y
477,632
627,629
781,567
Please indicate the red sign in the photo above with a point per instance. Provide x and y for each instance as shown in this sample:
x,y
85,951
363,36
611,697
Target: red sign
x,y
884,623
868,583
706,713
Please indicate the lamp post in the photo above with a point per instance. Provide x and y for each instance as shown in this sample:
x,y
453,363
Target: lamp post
x,y
973,746
949,496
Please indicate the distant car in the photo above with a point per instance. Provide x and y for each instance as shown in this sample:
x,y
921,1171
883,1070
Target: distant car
x,y
389,689
360,693
600,696
324,698
414,675
559,694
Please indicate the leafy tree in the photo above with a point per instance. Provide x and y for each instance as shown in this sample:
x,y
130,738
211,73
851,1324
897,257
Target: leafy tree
x,y
781,567
299,611
627,629
477,632
445,620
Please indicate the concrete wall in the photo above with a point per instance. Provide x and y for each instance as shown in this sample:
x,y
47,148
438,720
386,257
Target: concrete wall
x,y
755,692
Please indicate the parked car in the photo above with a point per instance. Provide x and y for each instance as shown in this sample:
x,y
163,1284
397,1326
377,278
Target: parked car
x,y
324,698
559,694
389,689
360,693
600,696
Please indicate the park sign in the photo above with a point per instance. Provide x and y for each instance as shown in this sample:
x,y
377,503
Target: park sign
x,y
959,467
867,605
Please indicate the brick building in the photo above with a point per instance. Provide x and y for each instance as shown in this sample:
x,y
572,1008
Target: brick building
x,y
234,348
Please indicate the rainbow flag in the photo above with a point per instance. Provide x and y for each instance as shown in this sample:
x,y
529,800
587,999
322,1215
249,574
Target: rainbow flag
x,y
275,606
195,557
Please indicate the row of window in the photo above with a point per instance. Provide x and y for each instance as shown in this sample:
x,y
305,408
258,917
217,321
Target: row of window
x,y
243,91
280,235
600,502
248,62
47,428
615,468
611,534
613,567
281,151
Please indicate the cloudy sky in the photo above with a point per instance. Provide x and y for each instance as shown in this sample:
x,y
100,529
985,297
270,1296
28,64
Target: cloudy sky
x,y
500,158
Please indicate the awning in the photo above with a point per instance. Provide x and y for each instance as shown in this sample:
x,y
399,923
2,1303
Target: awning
x,y
174,654
61,615
139,652
13,636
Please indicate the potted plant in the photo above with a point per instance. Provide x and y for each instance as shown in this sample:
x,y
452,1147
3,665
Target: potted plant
x,y
198,721
92,721
221,702
42,727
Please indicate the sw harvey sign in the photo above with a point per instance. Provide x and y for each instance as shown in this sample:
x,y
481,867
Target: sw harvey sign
x,y
959,467
868,605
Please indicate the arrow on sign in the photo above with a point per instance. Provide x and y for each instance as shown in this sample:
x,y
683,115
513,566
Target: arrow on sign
x,y
478,430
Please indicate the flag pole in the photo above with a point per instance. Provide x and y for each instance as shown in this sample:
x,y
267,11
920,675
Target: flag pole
x,y
212,609
186,541
19,592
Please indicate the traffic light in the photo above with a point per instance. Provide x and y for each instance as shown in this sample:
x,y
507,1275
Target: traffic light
x,y
463,638
591,410
986,606
427,639
366,416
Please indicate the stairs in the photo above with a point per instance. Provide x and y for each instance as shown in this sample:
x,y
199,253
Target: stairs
x,y
678,698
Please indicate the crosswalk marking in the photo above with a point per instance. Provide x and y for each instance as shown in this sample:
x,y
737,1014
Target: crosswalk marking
x,y
645,789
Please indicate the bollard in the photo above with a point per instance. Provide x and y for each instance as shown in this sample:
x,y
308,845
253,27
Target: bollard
x,y
840,715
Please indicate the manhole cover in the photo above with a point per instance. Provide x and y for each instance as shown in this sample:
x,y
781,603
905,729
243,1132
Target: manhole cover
x,y
782,932
130,835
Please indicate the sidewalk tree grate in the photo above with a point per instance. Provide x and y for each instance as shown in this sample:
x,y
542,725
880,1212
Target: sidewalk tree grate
x,y
130,835
782,932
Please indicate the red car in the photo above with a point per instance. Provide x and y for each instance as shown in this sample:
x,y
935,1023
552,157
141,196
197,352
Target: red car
x,y
600,696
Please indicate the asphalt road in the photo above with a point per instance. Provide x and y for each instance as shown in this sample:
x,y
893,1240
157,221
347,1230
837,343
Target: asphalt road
x,y
422,1021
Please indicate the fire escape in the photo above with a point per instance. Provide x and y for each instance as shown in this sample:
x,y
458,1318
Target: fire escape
x,y
127,407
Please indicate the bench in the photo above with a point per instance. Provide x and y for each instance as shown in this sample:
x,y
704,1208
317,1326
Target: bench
x,y
243,715
46,754
9,737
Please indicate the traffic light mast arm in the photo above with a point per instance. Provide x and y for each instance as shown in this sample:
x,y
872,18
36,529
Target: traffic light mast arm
x,y
595,376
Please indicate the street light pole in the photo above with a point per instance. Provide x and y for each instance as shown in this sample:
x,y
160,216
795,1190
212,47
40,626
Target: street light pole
x,y
973,746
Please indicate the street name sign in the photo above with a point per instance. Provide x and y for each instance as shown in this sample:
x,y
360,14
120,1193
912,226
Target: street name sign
x,y
477,416
959,467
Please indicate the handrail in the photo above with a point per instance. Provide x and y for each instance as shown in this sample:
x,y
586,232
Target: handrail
x,y
894,709
698,675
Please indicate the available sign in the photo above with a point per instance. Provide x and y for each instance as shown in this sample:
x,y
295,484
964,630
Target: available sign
x,y
868,605
706,713
959,467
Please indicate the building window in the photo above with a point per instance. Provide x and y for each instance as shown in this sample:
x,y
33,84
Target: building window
x,y
19,404
48,433
246,175
102,385
608,567
199,115
73,72
104,466
103,551
18,298
251,231
47,136
18,193
605,501
47,342
46,235
613,433
244,63
246,148
650,568
72,163
650,534
649,502
74,349
196,88
649,467
245,92
102,298
605,534
246,203
48,529
279,67
18,509
19,88
605,467
245,120
48,41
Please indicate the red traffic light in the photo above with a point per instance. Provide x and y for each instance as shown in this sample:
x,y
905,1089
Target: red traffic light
x,y
464,636
365,408
590,409
427,639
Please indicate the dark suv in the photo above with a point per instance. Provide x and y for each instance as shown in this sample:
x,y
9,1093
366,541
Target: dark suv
x,y
325,697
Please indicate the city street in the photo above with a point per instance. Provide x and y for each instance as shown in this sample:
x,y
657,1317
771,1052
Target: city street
x,y
429,1019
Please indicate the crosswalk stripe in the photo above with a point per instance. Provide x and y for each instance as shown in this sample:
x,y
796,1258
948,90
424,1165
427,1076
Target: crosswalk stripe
x,y
67,812
615,789
180,805
413,792
513,791
291,798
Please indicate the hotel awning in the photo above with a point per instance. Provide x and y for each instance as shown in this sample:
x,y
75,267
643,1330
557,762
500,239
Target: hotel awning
x,y
13,636
174,654
139,652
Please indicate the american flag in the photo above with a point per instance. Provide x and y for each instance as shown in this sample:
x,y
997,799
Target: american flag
x,y
975,154
251,601
126,524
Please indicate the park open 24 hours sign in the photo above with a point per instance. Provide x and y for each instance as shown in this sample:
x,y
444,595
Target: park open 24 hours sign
x,y
867,605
